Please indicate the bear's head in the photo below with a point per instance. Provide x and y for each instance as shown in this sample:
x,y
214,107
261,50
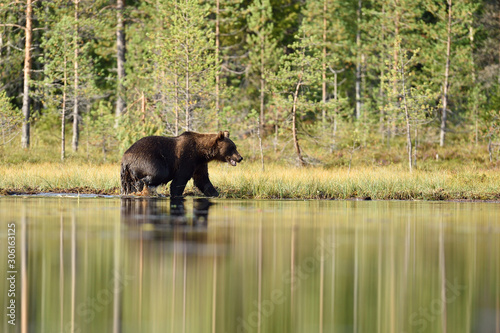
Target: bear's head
x,y
226,149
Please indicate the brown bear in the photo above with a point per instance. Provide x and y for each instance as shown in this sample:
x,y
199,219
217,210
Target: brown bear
x,y
156,160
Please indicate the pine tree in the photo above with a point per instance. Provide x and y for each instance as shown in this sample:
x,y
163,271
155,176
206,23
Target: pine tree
x,y
12,35
228,24
183,52
120,58
408,104
70,67
446,58
25,135
262,48
298,70
385,24
325,25
262,55
58,61
10,119
486,58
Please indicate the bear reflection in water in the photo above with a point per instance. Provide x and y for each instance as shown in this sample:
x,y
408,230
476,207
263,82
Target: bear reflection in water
x,y
137,211
165,227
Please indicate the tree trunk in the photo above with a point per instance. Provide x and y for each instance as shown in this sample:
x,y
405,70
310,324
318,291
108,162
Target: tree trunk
x,y
395,55
25,136
259,136
176,103
187,106
407,118
63,113
323,67
358,62
76,129
260,130
336,97
474,91
446,78
382,127
294,124
188,116
143,110
262,83
120,59
217,65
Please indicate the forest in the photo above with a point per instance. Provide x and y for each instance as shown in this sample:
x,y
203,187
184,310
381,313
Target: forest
x,y
301,81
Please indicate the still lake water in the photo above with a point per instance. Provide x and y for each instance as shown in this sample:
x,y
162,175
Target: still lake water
x,y
150,265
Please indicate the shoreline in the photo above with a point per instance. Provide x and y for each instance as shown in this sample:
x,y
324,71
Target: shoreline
x,y
277,182
115,193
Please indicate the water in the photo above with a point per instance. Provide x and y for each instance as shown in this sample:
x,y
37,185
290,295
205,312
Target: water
x,y
139,265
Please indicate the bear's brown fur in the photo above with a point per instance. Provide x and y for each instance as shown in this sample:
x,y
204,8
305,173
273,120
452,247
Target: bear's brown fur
x,y
156,160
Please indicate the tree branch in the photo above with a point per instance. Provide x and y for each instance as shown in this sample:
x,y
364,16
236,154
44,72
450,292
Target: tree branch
x,y
12,25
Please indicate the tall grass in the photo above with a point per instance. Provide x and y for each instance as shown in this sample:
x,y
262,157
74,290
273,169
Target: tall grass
x,y
277,181
390,182
60,177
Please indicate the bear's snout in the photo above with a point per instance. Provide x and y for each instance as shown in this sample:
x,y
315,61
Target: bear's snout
x,y
235,158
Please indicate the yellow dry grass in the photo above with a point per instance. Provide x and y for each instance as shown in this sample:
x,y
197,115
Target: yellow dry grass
x,y
247,180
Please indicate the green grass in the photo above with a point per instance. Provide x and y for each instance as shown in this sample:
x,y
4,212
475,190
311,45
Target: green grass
x,y
247,180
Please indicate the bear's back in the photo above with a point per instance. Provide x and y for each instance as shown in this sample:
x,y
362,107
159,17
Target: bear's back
x,y
151,146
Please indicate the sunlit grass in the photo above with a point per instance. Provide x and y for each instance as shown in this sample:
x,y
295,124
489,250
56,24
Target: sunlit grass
x,y
391,182
50,177
247,180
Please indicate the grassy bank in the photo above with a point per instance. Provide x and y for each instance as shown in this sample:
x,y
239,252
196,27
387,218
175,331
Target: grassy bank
x,y
277,181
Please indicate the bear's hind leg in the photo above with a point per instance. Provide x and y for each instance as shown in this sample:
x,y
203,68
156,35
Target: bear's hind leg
x,y
147,185
148,191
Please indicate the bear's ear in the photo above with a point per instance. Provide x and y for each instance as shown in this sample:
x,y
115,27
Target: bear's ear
x,y
220,136
226,134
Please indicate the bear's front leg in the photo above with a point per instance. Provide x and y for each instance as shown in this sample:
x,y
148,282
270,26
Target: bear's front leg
x,y
177,188
201,181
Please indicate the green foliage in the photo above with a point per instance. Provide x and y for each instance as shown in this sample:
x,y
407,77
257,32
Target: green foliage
x,y
10,119
98,123
266,49
183,54
399,94
135,124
